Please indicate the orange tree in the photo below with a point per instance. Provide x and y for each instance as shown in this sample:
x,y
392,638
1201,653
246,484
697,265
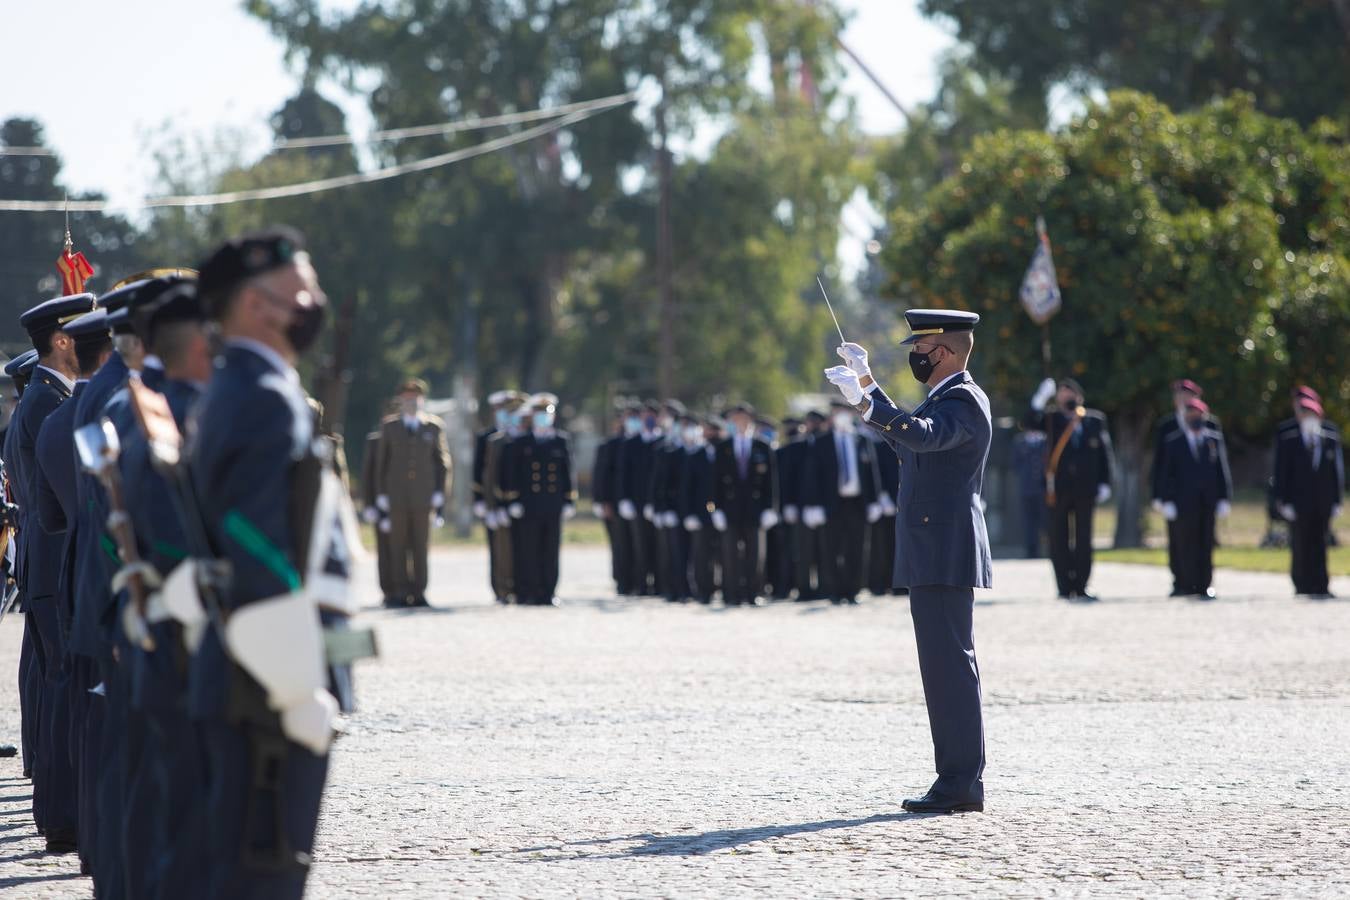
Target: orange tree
x,y
1209,244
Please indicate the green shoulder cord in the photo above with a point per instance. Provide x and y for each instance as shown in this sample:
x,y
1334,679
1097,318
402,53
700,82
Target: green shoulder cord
x,y
257,545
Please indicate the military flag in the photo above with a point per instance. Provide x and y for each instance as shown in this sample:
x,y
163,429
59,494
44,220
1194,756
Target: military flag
x,y
1040,287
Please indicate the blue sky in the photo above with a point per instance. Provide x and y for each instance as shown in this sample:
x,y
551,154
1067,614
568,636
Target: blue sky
x,y
138,70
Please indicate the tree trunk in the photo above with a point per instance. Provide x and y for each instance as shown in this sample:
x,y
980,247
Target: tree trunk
x,y
1131,437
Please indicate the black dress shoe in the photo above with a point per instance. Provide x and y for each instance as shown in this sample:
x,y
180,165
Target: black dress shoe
x,y
8,750
1206,594
420,600
392,602
61,842
937,803
1085,597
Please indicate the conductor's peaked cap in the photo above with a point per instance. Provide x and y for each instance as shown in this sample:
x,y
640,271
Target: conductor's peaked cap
x,y
932,322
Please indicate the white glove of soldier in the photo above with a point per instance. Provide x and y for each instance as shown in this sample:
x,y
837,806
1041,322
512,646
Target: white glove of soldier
x,y
627,511
1336,511
1287,512
887,505
569,512
1157,506
382,503
855,357
516,510
598,510
813,516
1103,493
670,520
371,515
719,520
490,520
790,514
438,517
1223,509
649,513
767,519
437,500
479,509
1169,511
846,380
385,526
691,523
873,513
1043,394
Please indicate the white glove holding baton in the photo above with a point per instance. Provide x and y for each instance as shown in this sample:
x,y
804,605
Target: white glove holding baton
x,y
846,380
855,357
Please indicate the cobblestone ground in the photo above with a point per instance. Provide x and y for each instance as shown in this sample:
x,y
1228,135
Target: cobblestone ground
x,y
610,748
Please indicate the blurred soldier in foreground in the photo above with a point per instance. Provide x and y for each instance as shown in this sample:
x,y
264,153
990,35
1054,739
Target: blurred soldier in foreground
x,y
1194,487
258,685
412,474
1078,478
942,546
743,501
1309,485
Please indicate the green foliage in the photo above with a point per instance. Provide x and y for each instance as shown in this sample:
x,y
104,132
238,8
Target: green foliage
x,y
1290,55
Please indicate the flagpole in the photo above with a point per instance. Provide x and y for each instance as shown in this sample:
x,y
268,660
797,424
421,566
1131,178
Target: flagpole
x,y
1045,346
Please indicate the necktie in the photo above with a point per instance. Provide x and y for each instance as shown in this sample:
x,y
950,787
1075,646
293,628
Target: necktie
x,y
1315,446
741,457
847,470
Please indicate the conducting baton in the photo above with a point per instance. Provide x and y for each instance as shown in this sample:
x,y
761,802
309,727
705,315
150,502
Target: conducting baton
x,y
830,307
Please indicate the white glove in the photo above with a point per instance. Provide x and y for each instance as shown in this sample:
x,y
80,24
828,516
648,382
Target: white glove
x,y
516,510
887,505
1223,509
1336,511
670,520
438,499
598,510
627,510
1103,493
1287,512
479,509
382,502
1157,506
691,523
767,519
813,516
385,526
846,380
1043,394
855,357
1169,511
790,514
438,519
371,515
873,513
719,520
649,513
569,512
490,520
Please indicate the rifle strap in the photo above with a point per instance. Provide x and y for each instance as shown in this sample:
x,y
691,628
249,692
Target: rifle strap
x,y
1052,464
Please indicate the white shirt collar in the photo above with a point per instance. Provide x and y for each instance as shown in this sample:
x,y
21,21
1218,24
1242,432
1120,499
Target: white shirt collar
x,y
937,387
70,385
270,356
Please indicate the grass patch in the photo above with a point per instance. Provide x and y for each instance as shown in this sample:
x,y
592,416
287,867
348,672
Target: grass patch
x,y
1248,559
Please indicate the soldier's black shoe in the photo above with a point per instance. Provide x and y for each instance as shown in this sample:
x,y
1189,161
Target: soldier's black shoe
x,y
61,842
8,750
392,602
1206,594
1085,597
419,600
941,804
1177,592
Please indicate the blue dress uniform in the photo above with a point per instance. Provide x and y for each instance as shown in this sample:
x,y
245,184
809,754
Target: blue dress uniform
x,y
881,540
543,477
743,490
942,554
20,370
54,800
1166,427
695,508
1082,469
1310,483
1193,476
634,490
603,476
250,438
839,479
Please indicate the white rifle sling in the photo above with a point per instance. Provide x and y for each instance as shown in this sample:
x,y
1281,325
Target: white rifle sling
x,y
332,533
183,603
279,641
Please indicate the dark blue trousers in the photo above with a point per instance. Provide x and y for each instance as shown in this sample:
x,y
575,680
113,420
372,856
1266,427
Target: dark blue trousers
x,y
174,761
945,635
109,869
242,819
54,806
89,710
30,690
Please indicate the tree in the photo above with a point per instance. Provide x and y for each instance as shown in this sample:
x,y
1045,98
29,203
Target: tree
x,y
1293,56
32,242
1186,245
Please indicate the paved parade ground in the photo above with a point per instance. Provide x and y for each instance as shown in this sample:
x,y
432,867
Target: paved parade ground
x,y
610,748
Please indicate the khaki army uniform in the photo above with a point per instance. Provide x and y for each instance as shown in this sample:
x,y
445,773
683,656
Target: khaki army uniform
x,y
412,466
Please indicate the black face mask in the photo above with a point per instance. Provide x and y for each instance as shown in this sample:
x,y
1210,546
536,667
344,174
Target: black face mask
x,y
921,365
306,325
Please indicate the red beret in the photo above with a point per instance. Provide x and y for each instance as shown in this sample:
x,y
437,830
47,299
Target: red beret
x,y
1198,405
1305,392
1186,384
1311,406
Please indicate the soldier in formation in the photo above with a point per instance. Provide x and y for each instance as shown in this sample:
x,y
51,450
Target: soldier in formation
x,y
187,645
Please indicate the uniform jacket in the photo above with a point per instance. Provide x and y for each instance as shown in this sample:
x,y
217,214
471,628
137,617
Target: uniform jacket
x,y
42,551
636,457
543,474
887,466
479,460
56,504
412,465
743,500
604,474
1194,480
942,448
369,455
821,471
667,467
495,459
1087,459
1312,492
790,459
1167,425
696,485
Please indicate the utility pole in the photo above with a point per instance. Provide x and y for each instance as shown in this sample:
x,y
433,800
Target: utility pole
x,y
664,252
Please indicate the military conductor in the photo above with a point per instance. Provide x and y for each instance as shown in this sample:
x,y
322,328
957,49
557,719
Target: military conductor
x,y
942,547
